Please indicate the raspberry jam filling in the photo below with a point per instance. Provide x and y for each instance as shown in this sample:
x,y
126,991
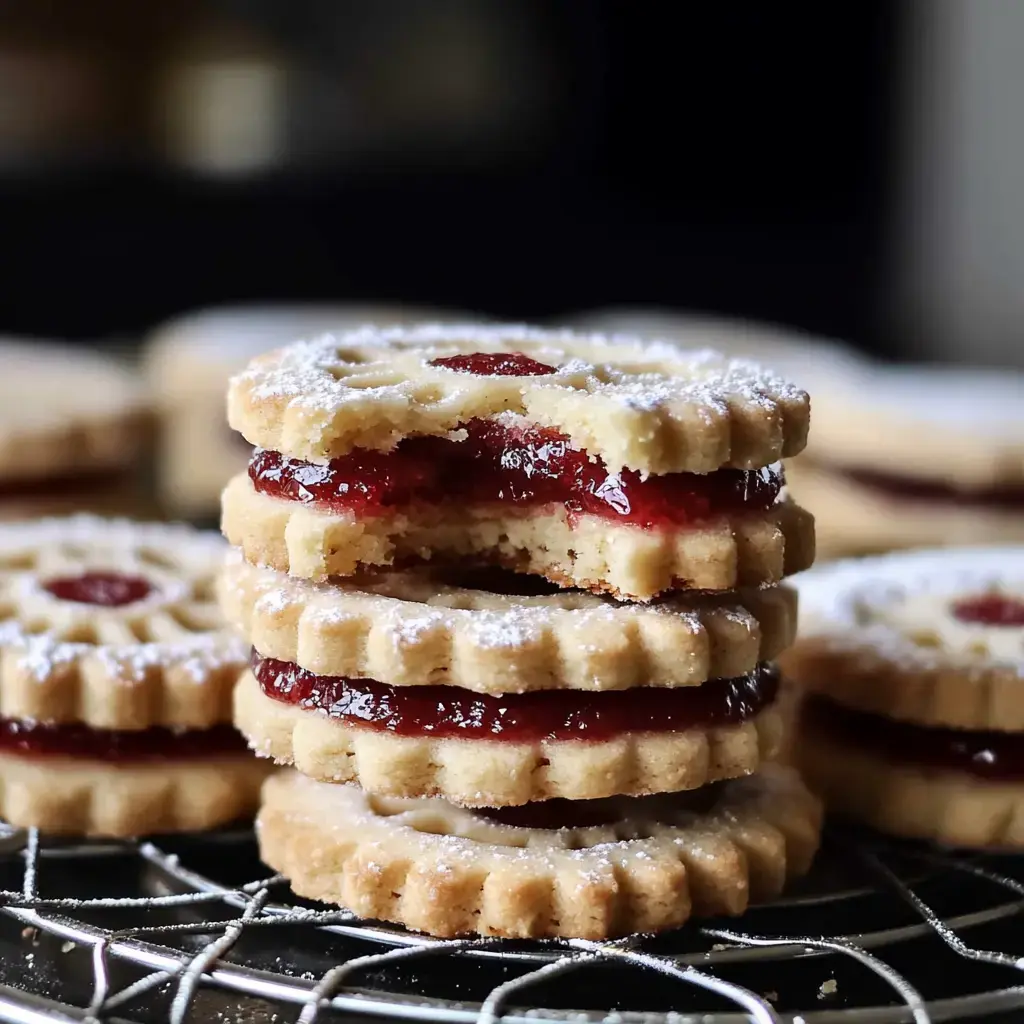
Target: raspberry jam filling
x,y
40,739
448,712
495,364
510,464
987,755
990,610
1005,497
109,589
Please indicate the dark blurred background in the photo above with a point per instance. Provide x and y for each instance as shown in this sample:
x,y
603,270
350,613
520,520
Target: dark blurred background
x,y
522,159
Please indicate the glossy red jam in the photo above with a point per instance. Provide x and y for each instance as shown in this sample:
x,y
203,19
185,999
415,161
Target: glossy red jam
x,y
509,465
38,739
990,610
495,364
988,755
448,712
1005,497
109,589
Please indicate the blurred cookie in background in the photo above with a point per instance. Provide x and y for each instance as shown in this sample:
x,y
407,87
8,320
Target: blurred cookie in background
x,y
188,362
74,424
803,358
915,456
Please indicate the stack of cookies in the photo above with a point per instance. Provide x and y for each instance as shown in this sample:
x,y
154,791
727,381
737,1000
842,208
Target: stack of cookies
x,y
912,666
513,600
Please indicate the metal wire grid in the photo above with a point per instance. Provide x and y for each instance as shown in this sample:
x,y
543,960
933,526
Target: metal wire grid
x,y
200,950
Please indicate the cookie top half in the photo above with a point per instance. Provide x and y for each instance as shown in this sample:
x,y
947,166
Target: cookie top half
x,y
645,406
932,637
113,624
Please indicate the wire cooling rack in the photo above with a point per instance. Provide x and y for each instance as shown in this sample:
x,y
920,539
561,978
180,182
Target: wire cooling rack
x,y
195,930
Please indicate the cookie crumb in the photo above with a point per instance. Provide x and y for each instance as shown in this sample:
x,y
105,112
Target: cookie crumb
x,y
772,997
828,988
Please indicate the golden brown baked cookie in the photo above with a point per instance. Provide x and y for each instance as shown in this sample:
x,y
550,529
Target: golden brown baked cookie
x,y
476,770
116,670
485,632
607,464
73,424
932,637
436,868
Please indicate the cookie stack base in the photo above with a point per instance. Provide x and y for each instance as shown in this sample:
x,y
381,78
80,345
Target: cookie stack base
x,y
436,868
64,795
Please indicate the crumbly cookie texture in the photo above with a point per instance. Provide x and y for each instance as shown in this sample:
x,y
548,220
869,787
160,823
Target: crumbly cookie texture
x,y
482,773
167,659
925,803
415,628
880,635
66,410
440,869
852,519
76,796
646,406
591,553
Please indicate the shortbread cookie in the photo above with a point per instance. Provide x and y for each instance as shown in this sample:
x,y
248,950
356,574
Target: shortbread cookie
x,y
116,671
72,426
114,625
486,751
587,552
188,363
499,633
868,513
931,637
915,456
85,796
602,463
957,787
625,866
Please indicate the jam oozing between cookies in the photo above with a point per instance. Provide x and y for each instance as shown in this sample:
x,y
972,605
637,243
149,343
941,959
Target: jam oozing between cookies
x,y
109,589
40,739
448,712
510,464
990,610
988,755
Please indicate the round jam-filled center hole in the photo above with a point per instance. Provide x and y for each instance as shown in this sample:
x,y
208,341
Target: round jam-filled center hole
x,y
110,589
495,364
990,610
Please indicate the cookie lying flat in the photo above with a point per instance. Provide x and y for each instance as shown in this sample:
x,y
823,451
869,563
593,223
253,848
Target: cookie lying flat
x,y
574,870
913,672
600,463
73,424
116,670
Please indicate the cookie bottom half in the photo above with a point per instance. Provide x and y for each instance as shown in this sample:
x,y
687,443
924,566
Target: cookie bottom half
x,y
890,791
624,866
82,796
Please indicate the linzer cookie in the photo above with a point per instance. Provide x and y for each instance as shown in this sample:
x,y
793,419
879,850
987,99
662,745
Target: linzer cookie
x,y
605,464
913,672
73,424
116,672
416,687
584,870
913,457
188,362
